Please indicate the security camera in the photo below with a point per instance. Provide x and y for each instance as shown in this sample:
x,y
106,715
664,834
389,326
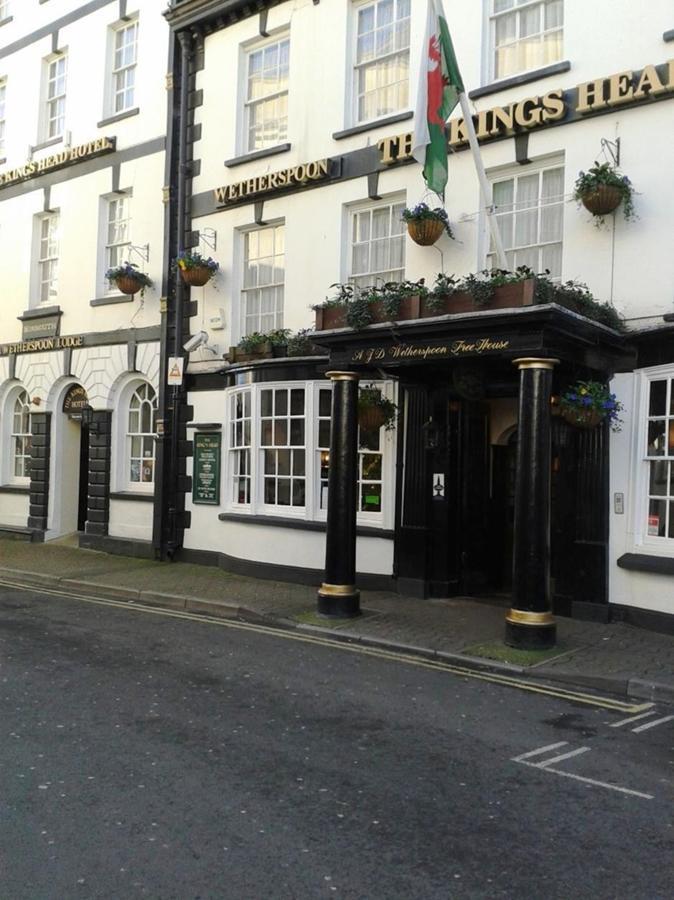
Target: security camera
x,y
197,340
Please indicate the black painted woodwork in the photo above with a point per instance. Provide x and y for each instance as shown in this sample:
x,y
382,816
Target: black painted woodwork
x,y
39,471
531,533
337,596
100,457
83,488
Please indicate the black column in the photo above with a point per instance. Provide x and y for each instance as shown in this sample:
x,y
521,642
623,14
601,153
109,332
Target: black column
x,y
98,493
40,426
337,596
529,623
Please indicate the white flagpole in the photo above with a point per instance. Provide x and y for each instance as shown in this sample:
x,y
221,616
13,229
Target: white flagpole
x,y
485,186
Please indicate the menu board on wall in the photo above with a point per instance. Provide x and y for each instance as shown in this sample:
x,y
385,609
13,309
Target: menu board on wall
x,y
206,477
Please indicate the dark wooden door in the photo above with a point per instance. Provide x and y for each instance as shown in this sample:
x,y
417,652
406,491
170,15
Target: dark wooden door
x,y
84,479
474,529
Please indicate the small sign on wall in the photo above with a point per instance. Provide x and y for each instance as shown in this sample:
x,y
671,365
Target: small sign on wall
x,y
206,476
175,370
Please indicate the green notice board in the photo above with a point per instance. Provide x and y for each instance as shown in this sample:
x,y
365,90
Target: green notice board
x,y
206,478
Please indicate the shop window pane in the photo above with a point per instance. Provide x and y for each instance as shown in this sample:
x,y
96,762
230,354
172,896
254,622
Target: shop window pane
x,y
281,403
269,462
370,498
266,400
298,492
670,527
298,462
656,438
283,496
269,490
324,433
372,466
657,512
658,478
283,462
266,432
297,432
280,433
658,398
297,402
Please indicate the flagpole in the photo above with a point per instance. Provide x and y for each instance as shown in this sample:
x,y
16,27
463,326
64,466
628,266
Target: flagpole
x,y
485,186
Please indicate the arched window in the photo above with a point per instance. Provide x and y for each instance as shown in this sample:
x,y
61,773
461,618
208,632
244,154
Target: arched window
x,y
141,432
21,437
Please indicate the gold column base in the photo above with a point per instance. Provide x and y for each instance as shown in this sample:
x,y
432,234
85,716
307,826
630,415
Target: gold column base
x,y
524,617
337,590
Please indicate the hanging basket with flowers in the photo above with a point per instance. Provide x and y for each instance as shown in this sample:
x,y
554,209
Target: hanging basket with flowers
x,y
195,269
425,225
588,404
375,411
602,189
128,279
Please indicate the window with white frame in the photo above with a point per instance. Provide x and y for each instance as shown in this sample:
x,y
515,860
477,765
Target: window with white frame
x,y
530,215
123,69
3,99
525,35
141,434
377,244
47,256
279,454
55,96
21,438
659,457
117,230
382,59
266,94
4,9
263,279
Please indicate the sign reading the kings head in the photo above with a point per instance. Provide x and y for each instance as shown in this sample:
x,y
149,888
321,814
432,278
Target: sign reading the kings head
x,y
628,88
35,167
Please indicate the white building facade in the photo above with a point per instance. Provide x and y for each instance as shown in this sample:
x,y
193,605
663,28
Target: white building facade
x,y
82,157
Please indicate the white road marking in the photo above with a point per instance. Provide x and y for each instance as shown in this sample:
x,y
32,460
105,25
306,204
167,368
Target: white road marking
x,y
652,724
545,766
549,762
632,719
539,751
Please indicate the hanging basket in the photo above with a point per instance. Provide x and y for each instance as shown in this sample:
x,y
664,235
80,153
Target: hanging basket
x,y
128,285
603,200
371,418
581,418
196,276
425,231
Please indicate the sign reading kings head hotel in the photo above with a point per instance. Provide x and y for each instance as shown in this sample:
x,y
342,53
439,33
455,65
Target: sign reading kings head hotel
x,y
35,167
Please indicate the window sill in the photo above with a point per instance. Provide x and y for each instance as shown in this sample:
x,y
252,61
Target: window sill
x,y
6,21
300,524
110,120
15,488
132,495
370,126
644,562
3,160
50,143
39,312
256,154
668,36
516,80
110,301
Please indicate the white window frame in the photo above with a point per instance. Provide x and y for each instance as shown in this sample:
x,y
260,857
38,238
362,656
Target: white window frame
x,y
15,435
537,168
353,116
357,209
122,72
517,8
245,292
3,116
311,511
145,436
108,201
247,103
47,257
646,543
54,97
4,10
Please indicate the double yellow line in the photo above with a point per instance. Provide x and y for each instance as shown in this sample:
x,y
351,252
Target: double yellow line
x,y
521,684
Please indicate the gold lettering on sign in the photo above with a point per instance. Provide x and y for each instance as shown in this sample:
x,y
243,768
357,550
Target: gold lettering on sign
x,y
298,175
553,106
649,83
75,154
590,96
38,344
620,89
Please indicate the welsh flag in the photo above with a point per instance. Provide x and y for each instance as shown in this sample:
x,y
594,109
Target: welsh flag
x,y
439,87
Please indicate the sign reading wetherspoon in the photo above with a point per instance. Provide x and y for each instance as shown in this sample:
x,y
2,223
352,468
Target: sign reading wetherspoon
x,y
49,343
261,184
627,88
34,167
430,351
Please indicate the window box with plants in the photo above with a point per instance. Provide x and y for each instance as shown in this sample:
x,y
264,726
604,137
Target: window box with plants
x,y
357,309
260,345
128,279
602,189
426,225
589,403
490,289
195,270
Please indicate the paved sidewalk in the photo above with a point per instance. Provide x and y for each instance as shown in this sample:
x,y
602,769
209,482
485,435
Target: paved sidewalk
x,y
615,657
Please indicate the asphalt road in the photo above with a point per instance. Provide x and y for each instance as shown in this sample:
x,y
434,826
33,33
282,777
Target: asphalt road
x,y
143,756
